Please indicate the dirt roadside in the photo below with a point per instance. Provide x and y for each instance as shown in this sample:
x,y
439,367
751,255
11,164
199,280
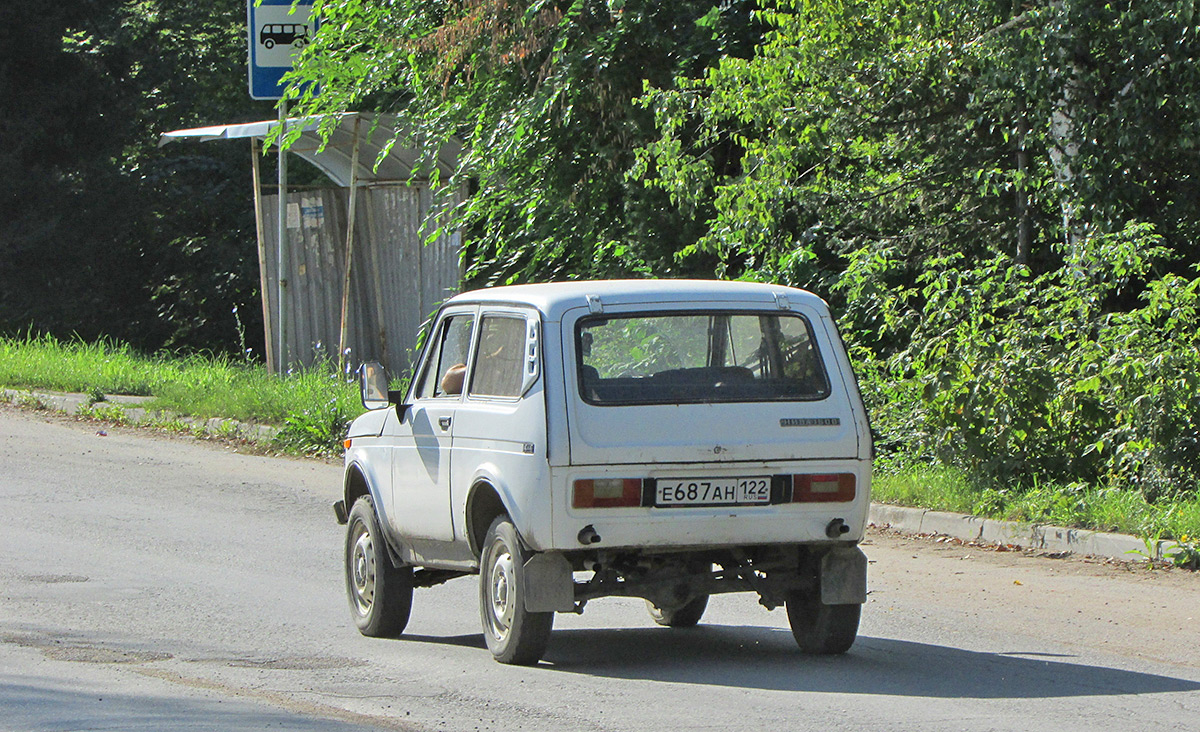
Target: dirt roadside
x,y
1103,605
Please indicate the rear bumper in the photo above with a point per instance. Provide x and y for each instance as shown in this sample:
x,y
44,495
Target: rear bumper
x,y
651,528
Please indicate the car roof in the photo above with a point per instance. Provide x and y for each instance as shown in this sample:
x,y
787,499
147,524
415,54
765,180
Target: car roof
x,y
555,298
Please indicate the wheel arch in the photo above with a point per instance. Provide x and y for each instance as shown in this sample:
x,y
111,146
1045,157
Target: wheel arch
x,y
355,485
484,504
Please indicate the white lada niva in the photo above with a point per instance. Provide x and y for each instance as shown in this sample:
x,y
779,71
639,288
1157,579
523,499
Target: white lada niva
x,y
661,439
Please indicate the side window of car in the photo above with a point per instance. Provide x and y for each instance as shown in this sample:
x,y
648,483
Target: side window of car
x,y
499,362
447,364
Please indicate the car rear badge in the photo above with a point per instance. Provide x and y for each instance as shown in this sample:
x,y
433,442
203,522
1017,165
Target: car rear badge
x,y
810,422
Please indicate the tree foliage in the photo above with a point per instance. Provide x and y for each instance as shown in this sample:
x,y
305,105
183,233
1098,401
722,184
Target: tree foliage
x,y
970,182
1000,197
974,184
541,94
105,233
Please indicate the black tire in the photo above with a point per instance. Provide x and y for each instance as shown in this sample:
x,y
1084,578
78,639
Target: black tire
x,y
269,43
685,616
820,629
379,592
513,634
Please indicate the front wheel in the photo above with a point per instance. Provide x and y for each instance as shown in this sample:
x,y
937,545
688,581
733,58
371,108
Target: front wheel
x,y
380,593
513,634
821,629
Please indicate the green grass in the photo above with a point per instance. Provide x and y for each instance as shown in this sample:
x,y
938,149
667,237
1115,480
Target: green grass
x,y
1075,506
312,406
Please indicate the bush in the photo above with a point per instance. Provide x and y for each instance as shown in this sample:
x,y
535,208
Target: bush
x,y
1030,379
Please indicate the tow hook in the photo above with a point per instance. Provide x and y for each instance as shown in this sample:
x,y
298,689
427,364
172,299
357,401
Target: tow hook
x,y
588,535
836,528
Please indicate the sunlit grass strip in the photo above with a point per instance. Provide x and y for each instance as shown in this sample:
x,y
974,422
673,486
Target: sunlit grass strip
x,y
1097,508
311,405
47,363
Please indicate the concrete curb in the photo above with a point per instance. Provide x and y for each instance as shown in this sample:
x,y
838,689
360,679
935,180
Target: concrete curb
x,y
133,412
1030,536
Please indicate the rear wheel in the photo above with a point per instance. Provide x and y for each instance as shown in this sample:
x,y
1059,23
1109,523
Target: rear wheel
x,y
822,629
380,593
513,634
684,616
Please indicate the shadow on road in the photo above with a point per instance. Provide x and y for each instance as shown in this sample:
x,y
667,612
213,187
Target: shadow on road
x,y
767,658
474,640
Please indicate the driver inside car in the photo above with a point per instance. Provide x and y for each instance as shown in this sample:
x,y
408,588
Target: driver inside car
x,y
452,381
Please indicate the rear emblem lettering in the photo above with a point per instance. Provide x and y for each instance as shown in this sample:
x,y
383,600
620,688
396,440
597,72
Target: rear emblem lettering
x,y
810,422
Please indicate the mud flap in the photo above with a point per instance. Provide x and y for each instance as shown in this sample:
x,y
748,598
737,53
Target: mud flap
x,y
548,584
844,576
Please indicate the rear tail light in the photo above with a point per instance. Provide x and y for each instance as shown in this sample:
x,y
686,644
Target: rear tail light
x,y
837,488
607,493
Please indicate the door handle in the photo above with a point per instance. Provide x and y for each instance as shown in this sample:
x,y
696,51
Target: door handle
x,y
444,423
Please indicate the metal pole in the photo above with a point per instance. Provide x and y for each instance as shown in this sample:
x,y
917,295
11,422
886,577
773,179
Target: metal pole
x,y
349,251
264,285
282,262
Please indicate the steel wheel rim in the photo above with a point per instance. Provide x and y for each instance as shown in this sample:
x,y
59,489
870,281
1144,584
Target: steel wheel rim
x,y
362,571
502,592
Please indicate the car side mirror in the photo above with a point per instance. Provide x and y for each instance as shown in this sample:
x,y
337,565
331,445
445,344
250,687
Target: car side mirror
x,y
373,384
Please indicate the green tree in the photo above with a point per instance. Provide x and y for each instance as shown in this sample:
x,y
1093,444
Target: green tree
x,y
861,126
541,95
974,185
108,235
57,144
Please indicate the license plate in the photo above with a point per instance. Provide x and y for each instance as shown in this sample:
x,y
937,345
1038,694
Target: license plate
x,y
712,491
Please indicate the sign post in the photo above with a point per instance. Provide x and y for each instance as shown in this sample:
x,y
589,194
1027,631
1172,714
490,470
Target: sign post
x,y
282,263
278,30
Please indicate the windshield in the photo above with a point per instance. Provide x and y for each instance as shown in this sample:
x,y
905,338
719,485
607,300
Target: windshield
x,y
696,357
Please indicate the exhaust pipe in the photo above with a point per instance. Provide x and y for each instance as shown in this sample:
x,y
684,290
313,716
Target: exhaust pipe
x,y
836,528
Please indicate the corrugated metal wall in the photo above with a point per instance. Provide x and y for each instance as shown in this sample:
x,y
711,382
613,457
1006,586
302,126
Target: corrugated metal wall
x,y
396,282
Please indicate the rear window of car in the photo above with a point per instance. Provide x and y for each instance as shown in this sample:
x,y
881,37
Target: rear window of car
x,y
698,357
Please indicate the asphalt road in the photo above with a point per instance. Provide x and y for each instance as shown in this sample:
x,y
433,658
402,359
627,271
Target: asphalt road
x,y
157,583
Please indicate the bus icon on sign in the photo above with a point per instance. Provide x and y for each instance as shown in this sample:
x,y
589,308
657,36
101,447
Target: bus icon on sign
x,y
285,34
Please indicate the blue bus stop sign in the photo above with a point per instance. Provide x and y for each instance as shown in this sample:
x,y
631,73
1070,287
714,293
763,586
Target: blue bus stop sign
x,y
276,34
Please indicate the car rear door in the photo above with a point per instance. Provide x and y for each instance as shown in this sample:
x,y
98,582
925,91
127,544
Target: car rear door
x,y
642,390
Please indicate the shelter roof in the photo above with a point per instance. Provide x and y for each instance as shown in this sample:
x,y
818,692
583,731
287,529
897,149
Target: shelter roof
x,y
375,133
